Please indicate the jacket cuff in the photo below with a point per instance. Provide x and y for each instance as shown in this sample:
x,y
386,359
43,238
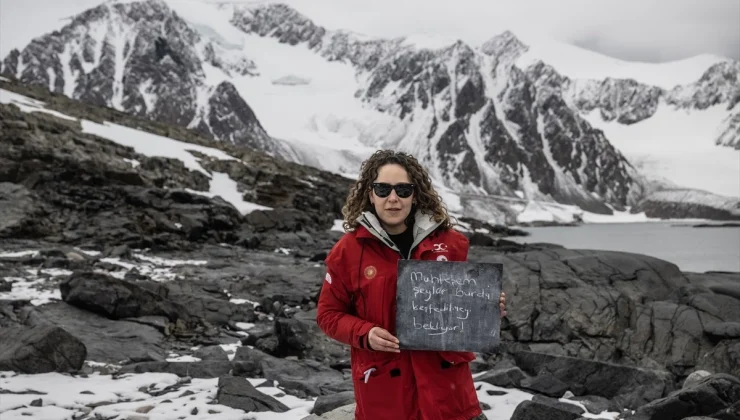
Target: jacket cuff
x,y
361,340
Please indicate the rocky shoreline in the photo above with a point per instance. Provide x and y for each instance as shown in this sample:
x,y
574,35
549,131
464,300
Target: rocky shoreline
x,y
119,266
639,334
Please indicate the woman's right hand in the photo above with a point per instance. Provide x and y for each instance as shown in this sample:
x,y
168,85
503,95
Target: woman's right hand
x,y
381,340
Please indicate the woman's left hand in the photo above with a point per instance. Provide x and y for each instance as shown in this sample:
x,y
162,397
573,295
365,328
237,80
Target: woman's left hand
x,y
502,304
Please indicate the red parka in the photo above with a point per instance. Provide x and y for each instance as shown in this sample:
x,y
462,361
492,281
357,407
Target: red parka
x,y
359,293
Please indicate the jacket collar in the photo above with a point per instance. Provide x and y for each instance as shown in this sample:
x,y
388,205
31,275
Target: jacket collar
x,y
424,225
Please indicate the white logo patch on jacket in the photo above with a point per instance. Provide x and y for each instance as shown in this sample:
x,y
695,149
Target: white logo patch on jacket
x,y
439,248
328,278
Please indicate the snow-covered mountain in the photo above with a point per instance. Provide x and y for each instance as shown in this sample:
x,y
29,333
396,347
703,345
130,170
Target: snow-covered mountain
x,y
142,58
502,122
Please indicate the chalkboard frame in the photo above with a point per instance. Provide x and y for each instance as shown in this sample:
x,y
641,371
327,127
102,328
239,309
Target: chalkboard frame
x,y
453,277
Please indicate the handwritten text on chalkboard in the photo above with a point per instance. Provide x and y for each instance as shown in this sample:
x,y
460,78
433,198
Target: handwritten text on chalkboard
x,y
448,305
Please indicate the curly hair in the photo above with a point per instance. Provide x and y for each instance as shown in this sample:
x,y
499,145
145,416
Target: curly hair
x,y
427,198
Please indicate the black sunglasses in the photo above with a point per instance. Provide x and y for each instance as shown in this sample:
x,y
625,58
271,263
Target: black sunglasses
x,y
383,189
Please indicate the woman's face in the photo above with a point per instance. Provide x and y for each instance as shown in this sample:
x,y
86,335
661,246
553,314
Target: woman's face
x,y
392,205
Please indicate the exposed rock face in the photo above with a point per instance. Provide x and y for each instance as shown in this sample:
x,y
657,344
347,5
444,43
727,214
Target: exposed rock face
x,y
531,410
612,307
21,212
629,102
629,387
635,310
299,377
117,299
446,92
625,101
550,146
709,397
121,299
181,272
479,120
279,21
106,340
717,86
239,393
730,128
63,184
40,349
688,204
141,58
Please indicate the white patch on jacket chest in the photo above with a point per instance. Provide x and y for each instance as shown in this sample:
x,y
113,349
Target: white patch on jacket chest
x,y
437,248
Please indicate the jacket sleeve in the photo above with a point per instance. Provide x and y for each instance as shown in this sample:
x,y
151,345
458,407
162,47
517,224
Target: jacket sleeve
x,y
335,306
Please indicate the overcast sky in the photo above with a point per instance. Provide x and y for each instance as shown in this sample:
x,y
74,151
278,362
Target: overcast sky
x,y
640,30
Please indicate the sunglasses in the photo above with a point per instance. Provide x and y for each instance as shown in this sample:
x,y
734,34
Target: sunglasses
x,y
383,189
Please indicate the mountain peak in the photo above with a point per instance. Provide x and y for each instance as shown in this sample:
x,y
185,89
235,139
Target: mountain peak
x,y
142,8
279,21
505,43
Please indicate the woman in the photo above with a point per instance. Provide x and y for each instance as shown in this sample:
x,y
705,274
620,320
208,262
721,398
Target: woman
x,y
393,212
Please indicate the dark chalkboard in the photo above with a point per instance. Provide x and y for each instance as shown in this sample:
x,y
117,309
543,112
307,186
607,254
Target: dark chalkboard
x,y
450,306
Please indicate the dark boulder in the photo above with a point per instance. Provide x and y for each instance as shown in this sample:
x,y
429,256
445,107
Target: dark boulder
x,y
630,387
117,299
711,395
40,349
239,393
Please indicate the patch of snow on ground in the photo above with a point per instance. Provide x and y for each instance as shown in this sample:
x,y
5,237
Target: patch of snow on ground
x,y
290,80
502,406
156,268
338,225
18,254
39,286
91,253
586,414
169,262
27,104
243,301
537,211
66,396
223,186
245,326
178,358
617,217
230,349
153,145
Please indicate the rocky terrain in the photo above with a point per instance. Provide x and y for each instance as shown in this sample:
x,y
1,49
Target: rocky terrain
x,y
116,266
478,118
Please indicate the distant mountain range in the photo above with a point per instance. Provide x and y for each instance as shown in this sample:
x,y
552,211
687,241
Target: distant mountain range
x,y
510,132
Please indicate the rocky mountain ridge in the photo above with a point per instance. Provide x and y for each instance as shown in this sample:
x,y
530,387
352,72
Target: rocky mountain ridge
x,y
94,189
626,100
121,264
142,58
629,101
481,123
